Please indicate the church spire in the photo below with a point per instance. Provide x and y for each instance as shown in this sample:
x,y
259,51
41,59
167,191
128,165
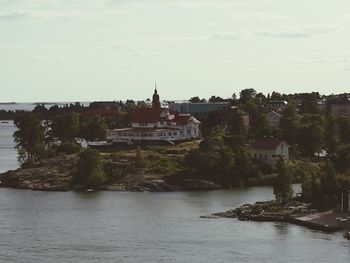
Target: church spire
x,y
155,100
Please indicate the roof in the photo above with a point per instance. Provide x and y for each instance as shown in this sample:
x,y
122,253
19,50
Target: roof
x,y
146,115
267,144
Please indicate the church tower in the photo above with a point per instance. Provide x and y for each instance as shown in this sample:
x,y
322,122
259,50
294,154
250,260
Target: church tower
x,y
155,99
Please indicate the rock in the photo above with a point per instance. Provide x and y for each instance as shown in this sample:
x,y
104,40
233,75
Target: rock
x,y
347,235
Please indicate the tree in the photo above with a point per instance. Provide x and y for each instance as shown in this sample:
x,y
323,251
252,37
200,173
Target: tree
x,y
89,170
331,137
309,103
328,180
29,138
65,127
216,99
139,159
246,95
289,124
93,129
195,99
342,158
343,124
282,187
310,134
260,127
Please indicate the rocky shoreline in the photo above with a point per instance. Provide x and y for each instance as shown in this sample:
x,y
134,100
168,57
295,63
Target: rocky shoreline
x,y
55,175
294,212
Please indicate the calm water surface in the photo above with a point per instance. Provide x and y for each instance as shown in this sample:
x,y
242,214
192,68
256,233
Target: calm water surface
x,y
147,227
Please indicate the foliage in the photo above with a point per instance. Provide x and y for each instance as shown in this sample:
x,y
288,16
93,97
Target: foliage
x,y
89,169
289,123
29,138
331,136
93,129
65,127
310,134
282,187
328,179
139,159
68,148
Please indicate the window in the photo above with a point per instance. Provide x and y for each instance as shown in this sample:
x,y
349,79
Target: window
x,y
273,155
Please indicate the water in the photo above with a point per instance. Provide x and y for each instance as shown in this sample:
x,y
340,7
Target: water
x,y
147,227
151,227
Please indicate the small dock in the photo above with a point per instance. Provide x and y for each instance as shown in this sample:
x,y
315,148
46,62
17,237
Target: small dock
x,y
328,221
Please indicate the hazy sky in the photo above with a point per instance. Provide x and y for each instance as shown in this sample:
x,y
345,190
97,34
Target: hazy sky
x,y
68,50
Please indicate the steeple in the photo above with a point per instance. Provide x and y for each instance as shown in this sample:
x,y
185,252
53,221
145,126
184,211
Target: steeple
x,y
155,100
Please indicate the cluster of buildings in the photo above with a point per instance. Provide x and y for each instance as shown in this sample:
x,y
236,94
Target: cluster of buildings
x,y
180,121
156,124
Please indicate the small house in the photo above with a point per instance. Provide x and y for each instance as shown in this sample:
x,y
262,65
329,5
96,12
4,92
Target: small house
x,y
270,150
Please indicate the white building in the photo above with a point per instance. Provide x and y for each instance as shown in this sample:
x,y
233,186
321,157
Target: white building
x,y
270,150
156,124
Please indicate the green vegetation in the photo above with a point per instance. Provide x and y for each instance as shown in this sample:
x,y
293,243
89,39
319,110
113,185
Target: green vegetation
x,y
89,169
282,187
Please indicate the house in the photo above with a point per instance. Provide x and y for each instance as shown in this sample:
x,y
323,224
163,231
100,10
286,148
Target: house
x,y
155,124
270,150
343,204
199,110
274,105
274,119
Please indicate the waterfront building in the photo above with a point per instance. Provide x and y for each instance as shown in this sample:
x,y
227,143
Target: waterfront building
x,y
156,124
270,150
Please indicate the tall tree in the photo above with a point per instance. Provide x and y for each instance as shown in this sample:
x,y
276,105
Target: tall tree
x,y
331,136
328,182
289,124
65,127
282,186
93,129
246,95
89,170
310,134
29,137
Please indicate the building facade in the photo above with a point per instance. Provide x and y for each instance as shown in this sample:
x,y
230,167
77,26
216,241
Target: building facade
x,y
270,150
198,110
156,124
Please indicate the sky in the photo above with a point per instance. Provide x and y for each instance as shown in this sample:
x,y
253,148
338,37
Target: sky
x,y
84,50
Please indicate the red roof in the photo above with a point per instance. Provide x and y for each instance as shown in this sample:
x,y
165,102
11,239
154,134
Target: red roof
x,y
146,115
266,143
